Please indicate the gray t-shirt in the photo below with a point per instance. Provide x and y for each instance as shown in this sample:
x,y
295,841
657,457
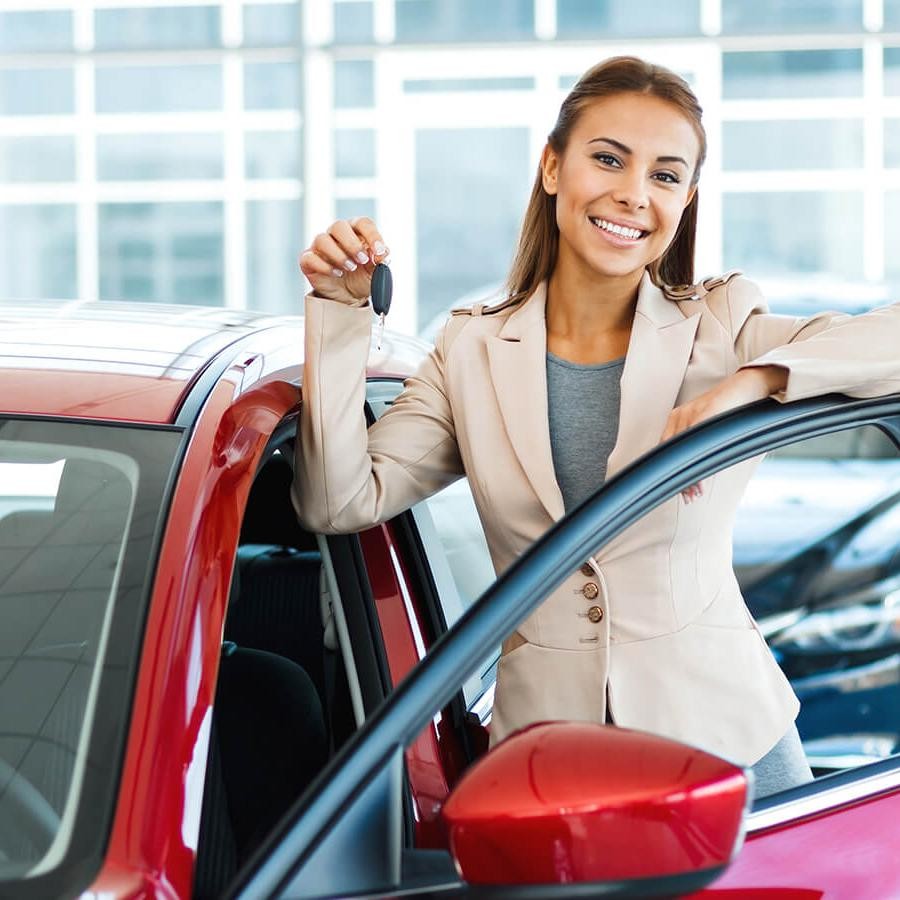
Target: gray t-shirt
x,y
583,404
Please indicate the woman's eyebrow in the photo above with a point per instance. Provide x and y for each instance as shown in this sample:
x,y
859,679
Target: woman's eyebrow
x,y
627,150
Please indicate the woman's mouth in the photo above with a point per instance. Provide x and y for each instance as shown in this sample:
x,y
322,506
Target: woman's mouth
x,y
622,232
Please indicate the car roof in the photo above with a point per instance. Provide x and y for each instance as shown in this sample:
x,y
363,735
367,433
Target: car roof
x,y
134,362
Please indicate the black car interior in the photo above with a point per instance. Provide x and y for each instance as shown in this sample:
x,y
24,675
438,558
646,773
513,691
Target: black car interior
x,y
282,702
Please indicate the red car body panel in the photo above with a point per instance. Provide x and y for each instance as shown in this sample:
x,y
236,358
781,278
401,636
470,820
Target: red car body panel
x,y
845,854
91,395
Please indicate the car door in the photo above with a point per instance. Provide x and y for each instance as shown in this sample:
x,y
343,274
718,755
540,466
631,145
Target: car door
x,y
352,811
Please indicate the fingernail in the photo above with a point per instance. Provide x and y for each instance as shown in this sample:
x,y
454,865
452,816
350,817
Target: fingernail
x,y
337,273
380,249
362,257
349,265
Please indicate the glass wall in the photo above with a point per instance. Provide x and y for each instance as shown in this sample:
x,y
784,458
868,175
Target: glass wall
x,y
187,151
138,142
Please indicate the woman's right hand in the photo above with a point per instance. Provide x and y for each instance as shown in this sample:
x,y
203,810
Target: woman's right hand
x,y
340,261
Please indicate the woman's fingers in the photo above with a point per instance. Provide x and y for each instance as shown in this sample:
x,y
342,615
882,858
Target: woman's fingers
x,y
325,246
339,262
680,419
313,264
366,228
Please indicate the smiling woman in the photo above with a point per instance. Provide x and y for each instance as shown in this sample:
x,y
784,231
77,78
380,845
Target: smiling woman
x,y
602,347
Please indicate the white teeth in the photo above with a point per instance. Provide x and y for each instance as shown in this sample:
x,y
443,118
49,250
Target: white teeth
x,y
632,233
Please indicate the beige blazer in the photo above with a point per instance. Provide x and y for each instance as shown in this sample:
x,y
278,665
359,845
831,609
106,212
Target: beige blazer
x,y
673,647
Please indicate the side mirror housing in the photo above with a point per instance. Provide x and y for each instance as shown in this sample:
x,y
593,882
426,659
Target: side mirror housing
x,y
567,802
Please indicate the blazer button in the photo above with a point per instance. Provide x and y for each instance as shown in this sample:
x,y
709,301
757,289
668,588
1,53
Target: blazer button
x,y
590,590
595,614
587,570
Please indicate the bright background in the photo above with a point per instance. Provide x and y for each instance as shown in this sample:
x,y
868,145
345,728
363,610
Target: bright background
x,y
186,151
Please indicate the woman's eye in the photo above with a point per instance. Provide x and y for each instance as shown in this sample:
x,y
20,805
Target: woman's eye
x,y
667,177
606,158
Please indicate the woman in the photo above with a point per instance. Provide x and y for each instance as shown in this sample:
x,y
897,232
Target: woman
x,y
589,362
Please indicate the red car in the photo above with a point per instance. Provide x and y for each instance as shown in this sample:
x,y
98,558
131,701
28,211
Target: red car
x,y
200,699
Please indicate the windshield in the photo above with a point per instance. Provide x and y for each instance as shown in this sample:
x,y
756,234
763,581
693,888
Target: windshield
x,y
80,511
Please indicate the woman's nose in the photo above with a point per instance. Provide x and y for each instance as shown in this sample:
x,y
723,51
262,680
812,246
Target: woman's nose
x,y
631,191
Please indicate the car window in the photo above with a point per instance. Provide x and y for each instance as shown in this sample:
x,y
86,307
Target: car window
x,y
79,511
461,566
817,556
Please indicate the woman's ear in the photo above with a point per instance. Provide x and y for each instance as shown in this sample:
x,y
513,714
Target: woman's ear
x,y
549,169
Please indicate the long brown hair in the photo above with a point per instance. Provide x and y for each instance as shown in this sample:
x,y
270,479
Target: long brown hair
x,y
539,238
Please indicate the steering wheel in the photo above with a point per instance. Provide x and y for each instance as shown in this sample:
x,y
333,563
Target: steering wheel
x,y
24,809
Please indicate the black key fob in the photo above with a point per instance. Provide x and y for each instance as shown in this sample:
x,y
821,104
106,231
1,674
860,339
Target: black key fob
x,y
382,289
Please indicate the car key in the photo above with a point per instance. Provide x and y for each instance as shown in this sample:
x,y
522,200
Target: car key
x,y
382,289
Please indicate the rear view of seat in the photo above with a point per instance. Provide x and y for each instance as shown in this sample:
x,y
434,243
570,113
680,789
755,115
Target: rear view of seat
x,y
277,607
268,742
278,568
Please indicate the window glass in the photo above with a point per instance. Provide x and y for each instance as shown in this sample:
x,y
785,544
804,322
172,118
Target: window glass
x,y
892,236
42,92
140,157
353,207
23,32
434,85
466,20
834,626
38,252
793,144
157,27
272,154
791,15
601,18
42,158
162,252
891,15
892,71
463,177
892,143
181,88
792,73
271,85
274,239
457,552
354,22
354,152
776,233
272,24
354,83
79,510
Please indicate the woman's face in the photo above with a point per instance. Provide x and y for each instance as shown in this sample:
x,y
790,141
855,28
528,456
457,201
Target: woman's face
x,y
622,183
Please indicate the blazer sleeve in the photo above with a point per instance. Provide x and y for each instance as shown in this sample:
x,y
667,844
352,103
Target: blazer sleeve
x,y
828,352
348,477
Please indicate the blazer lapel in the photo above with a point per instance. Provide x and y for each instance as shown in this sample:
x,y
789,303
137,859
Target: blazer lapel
x,y
659,350
518,362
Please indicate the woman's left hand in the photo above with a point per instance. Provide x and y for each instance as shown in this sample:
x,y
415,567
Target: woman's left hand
x,y
744,386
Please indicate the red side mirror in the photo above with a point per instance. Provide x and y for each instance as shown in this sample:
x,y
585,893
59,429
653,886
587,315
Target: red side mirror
x,y
565,802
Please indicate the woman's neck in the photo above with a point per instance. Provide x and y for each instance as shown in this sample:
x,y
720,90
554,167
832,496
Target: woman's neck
x,y
589,320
